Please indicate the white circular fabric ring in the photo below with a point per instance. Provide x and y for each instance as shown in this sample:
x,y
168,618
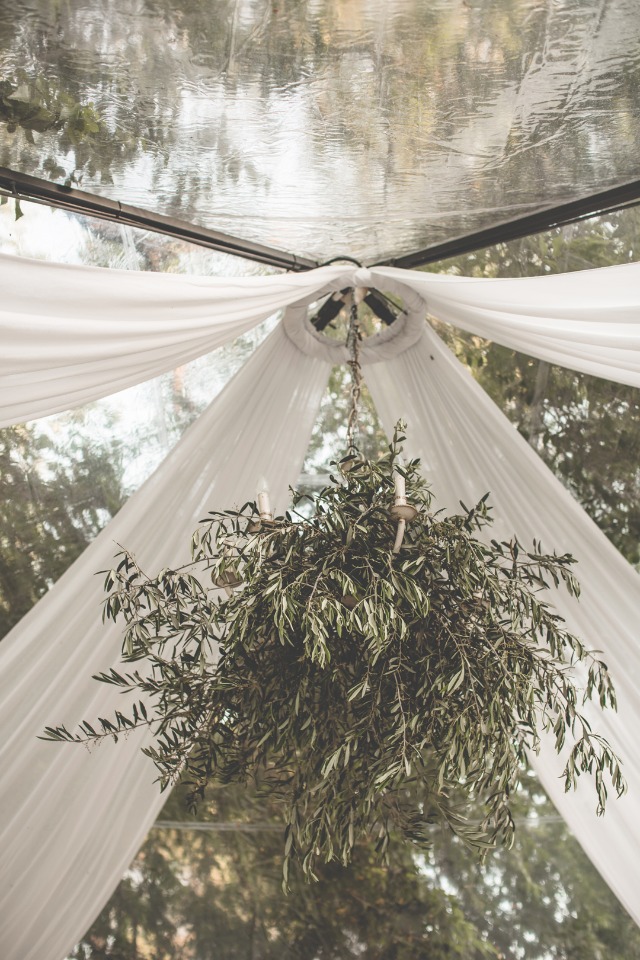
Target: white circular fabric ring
x,y
403,333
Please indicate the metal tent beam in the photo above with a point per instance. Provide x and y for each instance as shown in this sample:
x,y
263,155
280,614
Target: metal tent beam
x,y
24,187
606,201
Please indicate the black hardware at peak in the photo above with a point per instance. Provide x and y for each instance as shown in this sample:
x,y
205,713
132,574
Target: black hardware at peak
x,y
380,306
329,310
334,304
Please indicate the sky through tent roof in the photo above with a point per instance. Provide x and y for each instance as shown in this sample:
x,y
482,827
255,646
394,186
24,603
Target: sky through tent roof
x,y
329,127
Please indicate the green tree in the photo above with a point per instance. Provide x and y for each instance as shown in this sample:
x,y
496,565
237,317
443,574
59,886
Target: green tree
x,y
55,495
586,429
543,898
193,894
33,105
219,895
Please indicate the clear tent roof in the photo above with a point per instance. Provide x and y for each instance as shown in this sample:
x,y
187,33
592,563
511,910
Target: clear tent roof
x,y
361,127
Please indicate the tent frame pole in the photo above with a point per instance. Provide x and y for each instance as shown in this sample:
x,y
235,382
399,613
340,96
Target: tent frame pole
x,y
596,204
22,186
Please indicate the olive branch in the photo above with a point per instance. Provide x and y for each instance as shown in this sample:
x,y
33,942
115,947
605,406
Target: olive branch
x,y
371,692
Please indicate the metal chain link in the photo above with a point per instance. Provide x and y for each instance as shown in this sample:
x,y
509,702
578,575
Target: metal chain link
x,y
354,337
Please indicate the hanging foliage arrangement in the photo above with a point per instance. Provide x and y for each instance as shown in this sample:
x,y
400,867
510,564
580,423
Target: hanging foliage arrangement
x,y
371,690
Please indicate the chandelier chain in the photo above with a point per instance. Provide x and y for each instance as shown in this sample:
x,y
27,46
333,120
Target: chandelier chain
x,y
354,337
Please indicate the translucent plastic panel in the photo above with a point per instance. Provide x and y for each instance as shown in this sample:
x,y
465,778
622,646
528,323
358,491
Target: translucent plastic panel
x,y
595,242
361,127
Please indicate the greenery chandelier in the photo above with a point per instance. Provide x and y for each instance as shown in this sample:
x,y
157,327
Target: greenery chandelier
x,y
374,664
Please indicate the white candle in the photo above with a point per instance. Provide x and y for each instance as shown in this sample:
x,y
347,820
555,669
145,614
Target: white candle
x,y
400,488
264,506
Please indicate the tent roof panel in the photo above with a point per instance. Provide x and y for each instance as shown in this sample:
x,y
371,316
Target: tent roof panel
x,y
366,127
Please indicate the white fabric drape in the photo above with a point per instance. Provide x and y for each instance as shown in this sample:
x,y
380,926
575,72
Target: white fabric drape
x,y
588,320
70,820
468,447
73,334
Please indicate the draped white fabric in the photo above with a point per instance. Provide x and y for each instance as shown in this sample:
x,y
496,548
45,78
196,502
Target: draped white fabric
x,y
468,447
70,820
72,334
588,320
